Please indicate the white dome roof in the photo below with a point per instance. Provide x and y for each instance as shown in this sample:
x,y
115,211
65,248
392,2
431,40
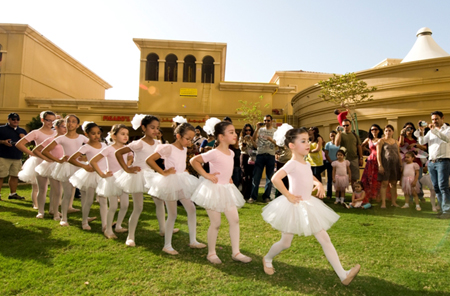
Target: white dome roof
x,y
425,47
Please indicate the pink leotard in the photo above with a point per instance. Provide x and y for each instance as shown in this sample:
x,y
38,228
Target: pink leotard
x,y
69,145
142,151
220,162
57,152
91,152
38,137
112,163
300,178
174,157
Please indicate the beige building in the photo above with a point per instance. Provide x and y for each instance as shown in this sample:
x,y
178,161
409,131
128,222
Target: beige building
x,y
408,89
176,78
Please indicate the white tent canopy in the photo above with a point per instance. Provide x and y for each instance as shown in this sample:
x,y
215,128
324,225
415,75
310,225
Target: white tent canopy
x,y
425,47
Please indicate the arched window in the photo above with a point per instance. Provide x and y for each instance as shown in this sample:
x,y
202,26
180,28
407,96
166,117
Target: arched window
x,y
170,71
189,69
208,70
152,67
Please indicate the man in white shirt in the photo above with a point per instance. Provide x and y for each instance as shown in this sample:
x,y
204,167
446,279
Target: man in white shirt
x,y
438,140
263,136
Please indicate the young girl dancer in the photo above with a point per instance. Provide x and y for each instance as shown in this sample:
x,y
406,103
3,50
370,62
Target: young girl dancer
x,y
107,186
28,173
359,198
174,184
86,179
45,170
217,193
297,212
131,179
341,176
410,177
70,142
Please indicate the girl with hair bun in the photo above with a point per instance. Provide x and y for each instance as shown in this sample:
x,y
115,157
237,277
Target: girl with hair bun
x,y
86,179
297,212
174,184
70,143
28,174
217,193
131,179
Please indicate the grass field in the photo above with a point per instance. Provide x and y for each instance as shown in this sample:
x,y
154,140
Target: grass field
x,y
401,251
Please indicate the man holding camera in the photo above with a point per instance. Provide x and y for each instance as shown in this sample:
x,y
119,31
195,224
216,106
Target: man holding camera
x,y
10,156
438,140
265,157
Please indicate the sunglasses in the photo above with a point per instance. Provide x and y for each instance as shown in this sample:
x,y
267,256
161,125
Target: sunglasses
x,y
248,130
267,120
344,125
374,129
14,119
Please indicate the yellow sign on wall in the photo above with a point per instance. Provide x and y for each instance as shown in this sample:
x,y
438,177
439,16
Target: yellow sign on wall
x,y
188,92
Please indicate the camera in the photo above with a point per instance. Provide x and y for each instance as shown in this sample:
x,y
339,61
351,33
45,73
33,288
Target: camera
x,y
409,129
340,128
12,143
423,123
261,124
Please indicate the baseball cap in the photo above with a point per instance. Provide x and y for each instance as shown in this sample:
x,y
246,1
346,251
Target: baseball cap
x,y
13,116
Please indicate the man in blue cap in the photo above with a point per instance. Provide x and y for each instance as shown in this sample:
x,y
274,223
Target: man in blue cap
x,y
10,156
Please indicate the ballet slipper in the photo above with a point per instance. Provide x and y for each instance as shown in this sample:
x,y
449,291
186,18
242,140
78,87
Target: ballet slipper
x,y
90,219
351,275
434,209
383,207
110,236
405,207
57,217
243,258
214,260
395,205
268,270
121,230
130,243
40,216
418,208
86,227
35,208
72,210
175,230
197,246
63,223
170,252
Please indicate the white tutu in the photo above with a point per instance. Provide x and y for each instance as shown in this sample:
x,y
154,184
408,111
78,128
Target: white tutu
x,y
172,187
45,169
108,187
426,181
131,183
83,179
305,218
217,197
407,188
28,172
341,182
63,171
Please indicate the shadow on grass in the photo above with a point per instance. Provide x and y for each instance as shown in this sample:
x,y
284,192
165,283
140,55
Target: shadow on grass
x,y
35,244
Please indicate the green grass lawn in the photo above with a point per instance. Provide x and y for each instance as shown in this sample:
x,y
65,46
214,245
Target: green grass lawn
x,y
401,251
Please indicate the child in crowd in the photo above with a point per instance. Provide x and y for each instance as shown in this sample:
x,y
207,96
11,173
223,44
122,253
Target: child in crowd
x,y
174,184
70,143
297,212
359,199
341,175
409,181
107,186
217,193
28,173
131,179
86,179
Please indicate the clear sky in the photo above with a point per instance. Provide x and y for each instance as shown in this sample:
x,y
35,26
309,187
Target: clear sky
x,y
262,36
